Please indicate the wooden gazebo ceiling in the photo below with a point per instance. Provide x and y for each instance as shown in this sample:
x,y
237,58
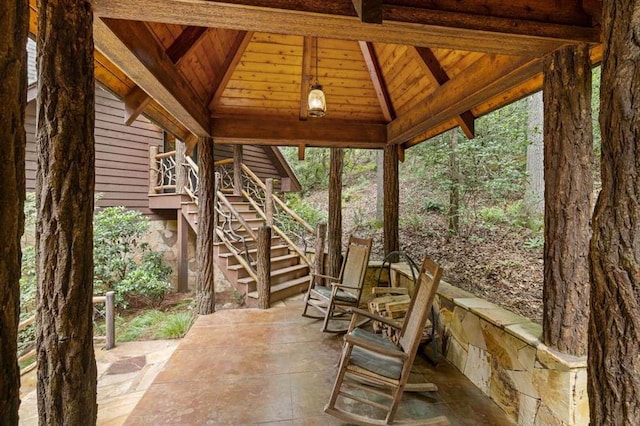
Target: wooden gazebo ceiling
x,y
239,70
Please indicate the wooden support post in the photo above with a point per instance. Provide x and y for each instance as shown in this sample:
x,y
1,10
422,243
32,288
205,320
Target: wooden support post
x,y
237,169
391,200
568,164
110,320
268,201
318,261
335,211
183,252
301,148
264,267
205,288
181,171
153,169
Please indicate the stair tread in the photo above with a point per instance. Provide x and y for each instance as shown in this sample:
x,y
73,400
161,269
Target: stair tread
x,y
279,247
273,259
282,286
276,272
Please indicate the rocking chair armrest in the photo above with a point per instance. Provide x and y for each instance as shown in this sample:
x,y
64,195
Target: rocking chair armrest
x,y
384,320
341,285
327,277
371,346
389,290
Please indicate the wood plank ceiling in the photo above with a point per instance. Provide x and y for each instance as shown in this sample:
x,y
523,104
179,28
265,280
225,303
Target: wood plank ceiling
x,y
240,70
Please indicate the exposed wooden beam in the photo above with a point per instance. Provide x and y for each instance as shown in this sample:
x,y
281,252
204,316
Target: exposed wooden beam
x,y
134,103
230,63
489,76
371,60
499,37
466,120
322,133
369,11
305,77
184,43
301,148
132,47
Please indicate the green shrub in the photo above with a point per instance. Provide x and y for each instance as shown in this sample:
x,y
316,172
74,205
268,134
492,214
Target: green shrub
x,y
534,243
140,327
175,326
493,215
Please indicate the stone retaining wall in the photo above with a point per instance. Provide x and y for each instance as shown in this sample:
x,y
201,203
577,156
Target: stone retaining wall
x,y
501,353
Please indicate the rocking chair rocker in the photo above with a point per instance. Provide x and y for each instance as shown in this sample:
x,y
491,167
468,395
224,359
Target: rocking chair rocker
x,y
342,292
375,365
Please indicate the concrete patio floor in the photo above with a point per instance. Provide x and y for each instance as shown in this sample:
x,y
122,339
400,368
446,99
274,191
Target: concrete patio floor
x,y
274,367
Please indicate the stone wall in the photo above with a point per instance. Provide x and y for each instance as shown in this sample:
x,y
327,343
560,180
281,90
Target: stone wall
x,y
501,353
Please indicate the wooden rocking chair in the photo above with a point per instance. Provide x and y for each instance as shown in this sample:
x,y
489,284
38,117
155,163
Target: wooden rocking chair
x,y
342,292
375,365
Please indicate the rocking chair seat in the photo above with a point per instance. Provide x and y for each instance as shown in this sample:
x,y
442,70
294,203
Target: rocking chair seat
x,y
383,365
341,295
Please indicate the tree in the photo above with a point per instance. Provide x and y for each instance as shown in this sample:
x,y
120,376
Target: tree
x,y
454,190
334,238
614,324
534,192
568,162
66,385
14,20
205,285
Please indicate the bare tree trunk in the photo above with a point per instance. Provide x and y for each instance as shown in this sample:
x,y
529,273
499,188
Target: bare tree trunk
x,y
64,201
14,19
391,200
534,192
454,191
614,324
568,164
205,284
380,186
334,238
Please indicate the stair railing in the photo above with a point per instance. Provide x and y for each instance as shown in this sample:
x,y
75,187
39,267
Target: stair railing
x,y
227,217
162,171
286,223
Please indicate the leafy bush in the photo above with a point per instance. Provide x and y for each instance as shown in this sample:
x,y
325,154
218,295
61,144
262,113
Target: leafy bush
x,y
175,326
305,209
493,215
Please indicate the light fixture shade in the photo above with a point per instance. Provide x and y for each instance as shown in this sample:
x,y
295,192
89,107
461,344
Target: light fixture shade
x,y
317,103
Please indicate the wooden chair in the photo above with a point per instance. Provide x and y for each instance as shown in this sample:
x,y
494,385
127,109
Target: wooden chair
x,y
342,292
380,368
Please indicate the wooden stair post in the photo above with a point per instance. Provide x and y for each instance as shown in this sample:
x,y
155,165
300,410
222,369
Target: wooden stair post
x,y
264,267
321,232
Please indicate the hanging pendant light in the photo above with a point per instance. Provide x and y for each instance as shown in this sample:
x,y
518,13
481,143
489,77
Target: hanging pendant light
x,y
317,104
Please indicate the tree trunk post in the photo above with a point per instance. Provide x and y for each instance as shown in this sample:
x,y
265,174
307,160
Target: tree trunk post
x,y
65,182
183,252
380,186
153,169
268,201
14,20
391,201
181,175
110,320
334,240
318,260
568,164
237,169
454,191
614,324
205,284
534,193
264,267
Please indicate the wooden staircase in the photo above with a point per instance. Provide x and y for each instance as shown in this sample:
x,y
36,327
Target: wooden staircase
x,y
290,275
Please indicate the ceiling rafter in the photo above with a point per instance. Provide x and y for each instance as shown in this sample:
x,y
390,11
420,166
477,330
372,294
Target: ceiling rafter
x,y
369,11
320,133
305,77
230,63
186,41
489,34
379,85
490,76
466,120
132,47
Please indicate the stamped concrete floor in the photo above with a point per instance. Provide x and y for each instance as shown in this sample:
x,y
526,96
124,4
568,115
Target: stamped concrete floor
x,y
124,373
274,367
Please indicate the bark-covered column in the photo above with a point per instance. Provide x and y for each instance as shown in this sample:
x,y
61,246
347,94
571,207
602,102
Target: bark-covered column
x,y
391,200
64,201
614,324
205,290
568,164
334,237
237,169
14,19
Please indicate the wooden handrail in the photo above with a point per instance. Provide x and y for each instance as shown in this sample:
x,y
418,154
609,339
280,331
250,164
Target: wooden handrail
x,y
237,215
26,322
223,162
192,163
165,154
239,258
281,203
